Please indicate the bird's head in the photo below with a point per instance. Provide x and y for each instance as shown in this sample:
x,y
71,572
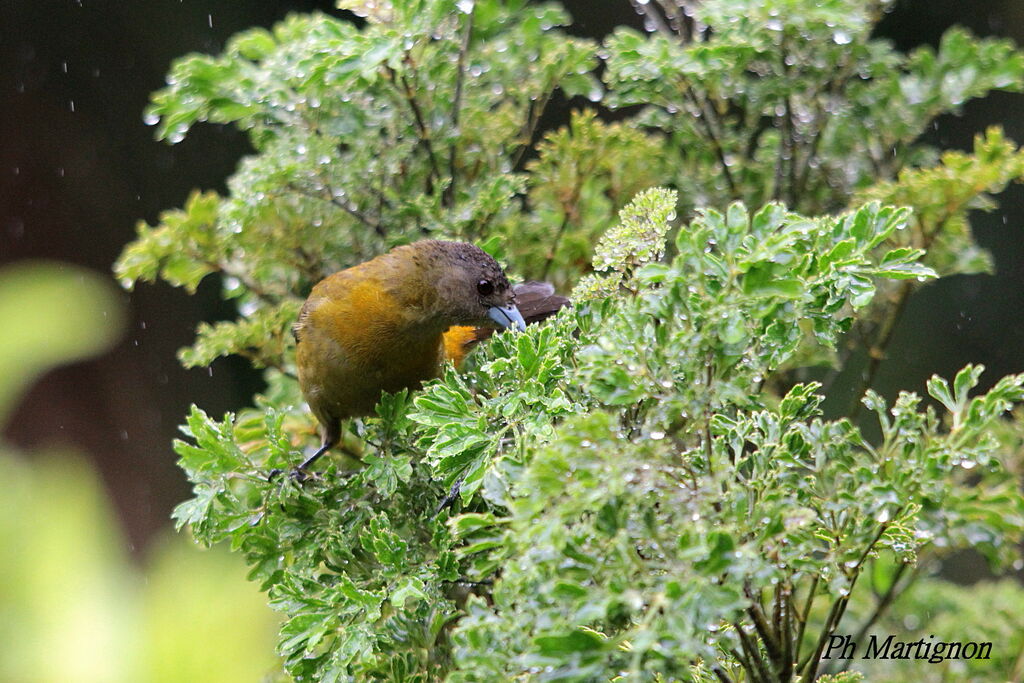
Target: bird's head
x,y
472,288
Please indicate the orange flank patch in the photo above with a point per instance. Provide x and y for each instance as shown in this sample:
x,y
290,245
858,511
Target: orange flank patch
x,y
458,342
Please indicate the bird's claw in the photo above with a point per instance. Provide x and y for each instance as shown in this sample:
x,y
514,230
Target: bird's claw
x,y
298,475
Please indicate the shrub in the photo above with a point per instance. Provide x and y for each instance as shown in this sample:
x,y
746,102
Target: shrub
x,y
646,493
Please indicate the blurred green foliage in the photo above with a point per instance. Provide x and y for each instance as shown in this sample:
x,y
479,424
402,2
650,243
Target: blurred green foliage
x,y
646,494
74,605
51,314
985,612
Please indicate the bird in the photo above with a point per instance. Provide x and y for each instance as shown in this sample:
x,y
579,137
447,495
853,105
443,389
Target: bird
x,y
392,322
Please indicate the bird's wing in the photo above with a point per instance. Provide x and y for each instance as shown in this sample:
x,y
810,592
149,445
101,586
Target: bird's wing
x,y
537,300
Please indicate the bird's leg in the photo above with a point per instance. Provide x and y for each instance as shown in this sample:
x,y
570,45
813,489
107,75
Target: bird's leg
x,y
453,494
326,446
301,472
342,438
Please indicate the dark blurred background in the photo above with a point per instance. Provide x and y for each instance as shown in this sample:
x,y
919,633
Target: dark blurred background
x,y
79,169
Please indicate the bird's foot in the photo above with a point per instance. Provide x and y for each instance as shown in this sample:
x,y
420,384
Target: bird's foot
x,y
299,475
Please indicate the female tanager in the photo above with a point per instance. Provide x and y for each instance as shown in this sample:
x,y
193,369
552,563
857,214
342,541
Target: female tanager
x,y
390,323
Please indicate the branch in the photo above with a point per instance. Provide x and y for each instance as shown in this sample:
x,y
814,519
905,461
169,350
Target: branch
x,y
791,126
529,127
709,376
876,352
771,644
835,88
676,18
550,258
920,239
885,601
645,10
331,198
448,196
785,605
803,616
838,609
810,664
720,674
780,162
787,138
747,665
705,114
758,670
754,141
421,124
252,285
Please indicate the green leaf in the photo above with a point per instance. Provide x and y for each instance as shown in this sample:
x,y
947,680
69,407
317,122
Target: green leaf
x,y
581,642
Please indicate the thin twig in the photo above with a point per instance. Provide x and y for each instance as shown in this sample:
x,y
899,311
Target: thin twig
x,y
704,114
835,88
922,239
771,645
884,601
529,127
332,198
838,610
803,616
780,162
224,269
810,664
787,139
708,451
645,10
553,247
421,124
777,608
745,662
876,352
786,631
721,675
754,141
448,195
754,653
674,15
791,144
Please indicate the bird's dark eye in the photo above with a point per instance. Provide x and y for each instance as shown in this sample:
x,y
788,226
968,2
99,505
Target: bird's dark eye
x,y
485,287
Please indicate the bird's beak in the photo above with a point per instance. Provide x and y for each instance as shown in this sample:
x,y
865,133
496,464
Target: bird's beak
x,y
507,316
